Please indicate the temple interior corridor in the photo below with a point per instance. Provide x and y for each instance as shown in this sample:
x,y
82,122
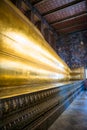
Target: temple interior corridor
x,y
43,64
75,116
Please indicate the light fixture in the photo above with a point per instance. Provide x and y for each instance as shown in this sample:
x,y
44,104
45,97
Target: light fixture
x,y
81,43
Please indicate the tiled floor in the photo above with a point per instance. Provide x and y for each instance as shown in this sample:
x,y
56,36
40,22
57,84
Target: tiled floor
x,y
74,117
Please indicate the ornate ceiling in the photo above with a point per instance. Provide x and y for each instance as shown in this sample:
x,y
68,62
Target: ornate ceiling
x,y
65,16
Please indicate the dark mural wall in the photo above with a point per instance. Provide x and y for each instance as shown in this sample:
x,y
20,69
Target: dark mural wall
x,y
72,48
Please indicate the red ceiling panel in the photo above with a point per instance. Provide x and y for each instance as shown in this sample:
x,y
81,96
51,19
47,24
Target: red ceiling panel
x,y
73,21
47,5
67,12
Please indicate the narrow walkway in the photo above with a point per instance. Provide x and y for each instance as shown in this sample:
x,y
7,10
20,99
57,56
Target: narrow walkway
x,y
74,117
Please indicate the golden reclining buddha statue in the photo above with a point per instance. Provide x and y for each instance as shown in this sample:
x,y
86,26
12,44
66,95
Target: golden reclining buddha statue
x,y
26,59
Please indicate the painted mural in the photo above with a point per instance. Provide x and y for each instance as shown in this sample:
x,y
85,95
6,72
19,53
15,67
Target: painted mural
x,y
72,48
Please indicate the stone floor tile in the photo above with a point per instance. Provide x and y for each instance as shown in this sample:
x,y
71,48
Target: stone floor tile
x,y
74,117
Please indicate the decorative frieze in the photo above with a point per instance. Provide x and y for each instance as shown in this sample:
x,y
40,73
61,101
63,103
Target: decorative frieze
x,y
17,112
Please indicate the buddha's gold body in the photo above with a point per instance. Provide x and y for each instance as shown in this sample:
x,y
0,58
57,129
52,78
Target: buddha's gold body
x,y
26,58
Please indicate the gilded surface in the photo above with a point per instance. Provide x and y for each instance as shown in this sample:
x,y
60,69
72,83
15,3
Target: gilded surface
x,y
26,59
78,74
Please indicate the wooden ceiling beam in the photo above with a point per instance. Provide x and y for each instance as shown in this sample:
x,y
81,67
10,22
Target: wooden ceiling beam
x,y
71,25
42,19
73,31
62,7
83,24
57,21
65,20
36,2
